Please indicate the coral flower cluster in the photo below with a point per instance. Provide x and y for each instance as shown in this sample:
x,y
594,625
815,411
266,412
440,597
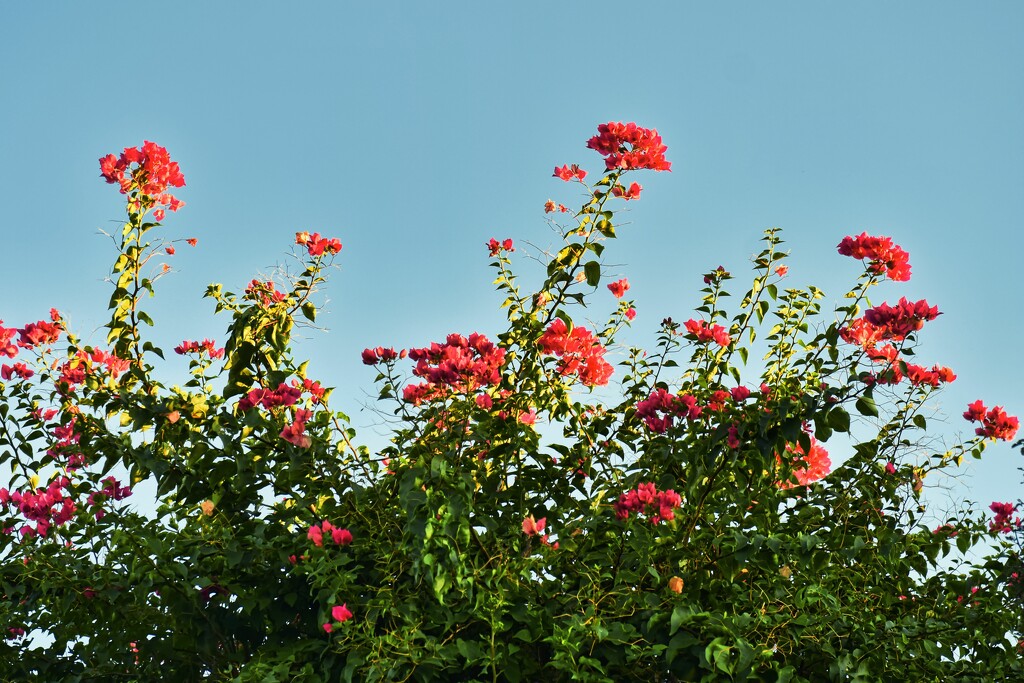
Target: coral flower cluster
x,y
883,257
147,170
317,245
41,506
460,364
647,499
707,333
207,346
627,146
1004,522
810,467
579,353
995,423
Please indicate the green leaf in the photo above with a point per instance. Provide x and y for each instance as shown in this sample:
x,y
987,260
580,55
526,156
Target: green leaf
x,y
920,421
839,419
866,406
593,272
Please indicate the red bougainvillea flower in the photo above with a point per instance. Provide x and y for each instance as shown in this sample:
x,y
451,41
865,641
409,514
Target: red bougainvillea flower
x,y
459,365
632,193
550,206
568,173
380,355
18,369
707,333
579,352
646,499
317,245
661,408
619,288
145,173
7,346
295,433
37,333
884,257
896,322
495,247
995,423
341,613
630,313
740,393
533,527
207,346
781,270
1004,521
629,147
192,241
808,468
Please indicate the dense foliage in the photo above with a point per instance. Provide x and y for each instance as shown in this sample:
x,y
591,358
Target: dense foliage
x,y
521,525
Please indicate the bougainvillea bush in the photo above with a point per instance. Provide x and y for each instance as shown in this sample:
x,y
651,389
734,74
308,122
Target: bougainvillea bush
x,y
693,527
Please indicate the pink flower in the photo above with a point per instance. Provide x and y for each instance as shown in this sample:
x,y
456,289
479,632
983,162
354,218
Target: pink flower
x,y
568,173
706,333
808,468
316,535
533,527
628,147
579,352
495,247
890,468
529,418
341,536
630,313
341,613
740,393
884,257
632,193
781,270
619,288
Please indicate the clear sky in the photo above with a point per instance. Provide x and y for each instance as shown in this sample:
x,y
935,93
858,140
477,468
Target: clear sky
x,y
416,131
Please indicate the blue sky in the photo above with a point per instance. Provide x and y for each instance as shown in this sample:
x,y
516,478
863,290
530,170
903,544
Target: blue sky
x,y
416,131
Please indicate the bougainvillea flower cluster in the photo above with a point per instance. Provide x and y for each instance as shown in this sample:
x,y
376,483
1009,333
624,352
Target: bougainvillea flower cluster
x,y
39,333
708,333
627,146
494,247
17,370
381,354
460,364
550,207
340,614
896,322
632,193
207,346
884,257
40,506
147,170
111,491
619,288
995,423
647,499
317,245
1004,522
264,293
661,408
579,353
568,173
808,468
338,535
